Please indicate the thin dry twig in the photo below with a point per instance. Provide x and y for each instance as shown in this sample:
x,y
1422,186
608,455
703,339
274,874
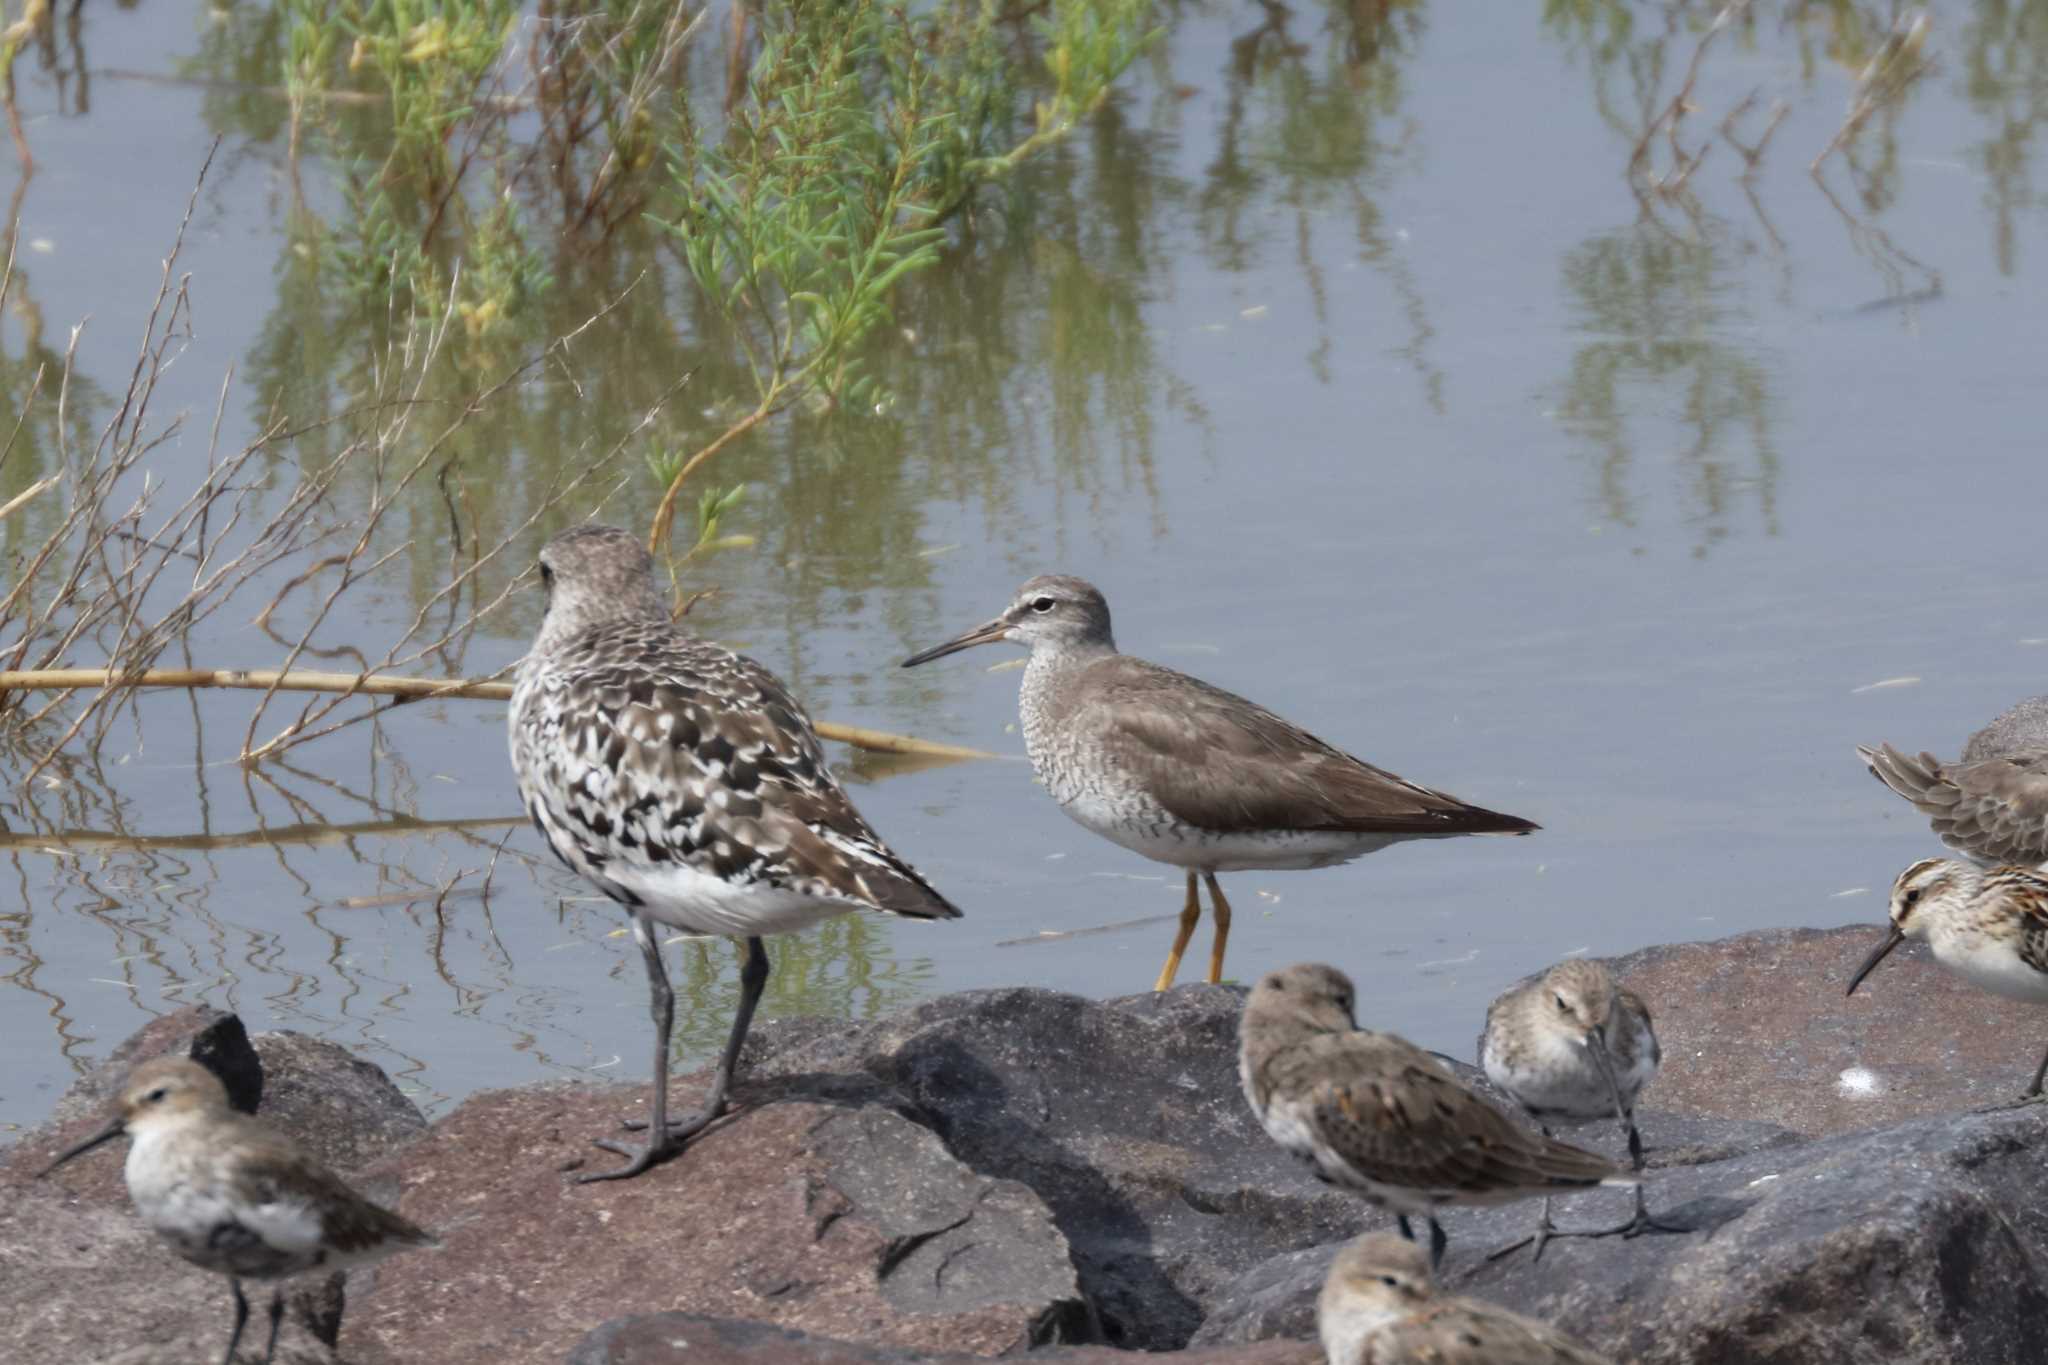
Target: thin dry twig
x,y
1899,61
1666,122
269,680
1752,154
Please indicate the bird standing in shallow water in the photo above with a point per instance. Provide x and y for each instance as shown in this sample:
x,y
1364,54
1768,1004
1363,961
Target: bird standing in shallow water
x,y
1188,774
1374,1114
1991,805
1572,1045
686,783
230,1194
1990,927
1380,1306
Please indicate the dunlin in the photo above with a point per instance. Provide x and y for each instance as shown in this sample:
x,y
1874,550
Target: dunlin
x,y
686,783
1380,1306
231,1194
1991,805
1374,1114
1989,926
1188,774
1570,1046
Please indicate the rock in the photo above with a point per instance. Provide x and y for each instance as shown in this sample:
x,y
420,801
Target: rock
x,y
847,1220
1920,1244
1756,1027
1124,1115
691,1339
1001,1170
343,1110
71,1245
185,1350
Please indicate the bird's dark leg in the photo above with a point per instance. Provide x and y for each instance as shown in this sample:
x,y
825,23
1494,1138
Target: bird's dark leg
x,y
1219,910
241,1321
2032,1094
276,1317
662,1006
1189,913
1437,1242
1643,1221
753,981
1545,1229
1401,1221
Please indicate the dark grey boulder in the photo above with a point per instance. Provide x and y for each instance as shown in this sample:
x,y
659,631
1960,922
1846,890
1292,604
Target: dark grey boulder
x,y
692,1339
1123,1115
1921,1244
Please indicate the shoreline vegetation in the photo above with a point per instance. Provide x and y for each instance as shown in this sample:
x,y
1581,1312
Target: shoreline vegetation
x,y
826,156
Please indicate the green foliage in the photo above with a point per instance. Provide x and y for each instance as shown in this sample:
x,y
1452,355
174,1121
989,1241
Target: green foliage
x,y
711,508
800,222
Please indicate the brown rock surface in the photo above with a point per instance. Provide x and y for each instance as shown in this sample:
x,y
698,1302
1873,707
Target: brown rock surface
x,y
1756,1027
691,1339
845,1220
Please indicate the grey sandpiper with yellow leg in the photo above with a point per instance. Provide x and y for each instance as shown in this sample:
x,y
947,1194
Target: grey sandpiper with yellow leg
x,y
1376,1115
1188,774
686,783
1381,1306
230,1194
1572,1045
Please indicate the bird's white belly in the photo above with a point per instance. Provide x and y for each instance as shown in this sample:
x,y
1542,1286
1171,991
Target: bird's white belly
x,y
1158,836
1993,966
698,903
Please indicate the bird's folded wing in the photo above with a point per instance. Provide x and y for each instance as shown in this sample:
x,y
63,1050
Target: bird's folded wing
x,y
1222,763
1469,1333
1995,808
710,762
1398,1115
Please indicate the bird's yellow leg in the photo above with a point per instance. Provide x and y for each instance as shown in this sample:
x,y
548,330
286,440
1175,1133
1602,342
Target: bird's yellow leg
x,y
1220,912
1189,913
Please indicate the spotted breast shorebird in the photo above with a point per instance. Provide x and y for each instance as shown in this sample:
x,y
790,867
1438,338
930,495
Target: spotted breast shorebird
x,y
1376,1115
1991,805
1380,1306
1188,774
683,781
232,1195
1571,1045
1988,926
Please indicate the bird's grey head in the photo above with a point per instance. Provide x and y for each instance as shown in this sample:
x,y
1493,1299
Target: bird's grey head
x,y
1055,612
1309,997
159,1094
1379,1270
1578,996
595,575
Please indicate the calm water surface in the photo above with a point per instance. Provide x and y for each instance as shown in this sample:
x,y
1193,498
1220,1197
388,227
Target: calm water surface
x,y
1338,351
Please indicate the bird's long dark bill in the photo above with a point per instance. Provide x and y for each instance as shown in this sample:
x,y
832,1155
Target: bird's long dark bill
x,y
986,633
1597,1045
99,1139
1891,941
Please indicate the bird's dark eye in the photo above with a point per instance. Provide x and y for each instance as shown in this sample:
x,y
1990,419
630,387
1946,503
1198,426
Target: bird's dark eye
x,y
1912,895
1041,604
1390,1282
155,1096
547,576
1560,1002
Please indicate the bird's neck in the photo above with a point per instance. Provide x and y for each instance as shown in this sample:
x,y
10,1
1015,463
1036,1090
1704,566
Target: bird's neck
x,y
1052,666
